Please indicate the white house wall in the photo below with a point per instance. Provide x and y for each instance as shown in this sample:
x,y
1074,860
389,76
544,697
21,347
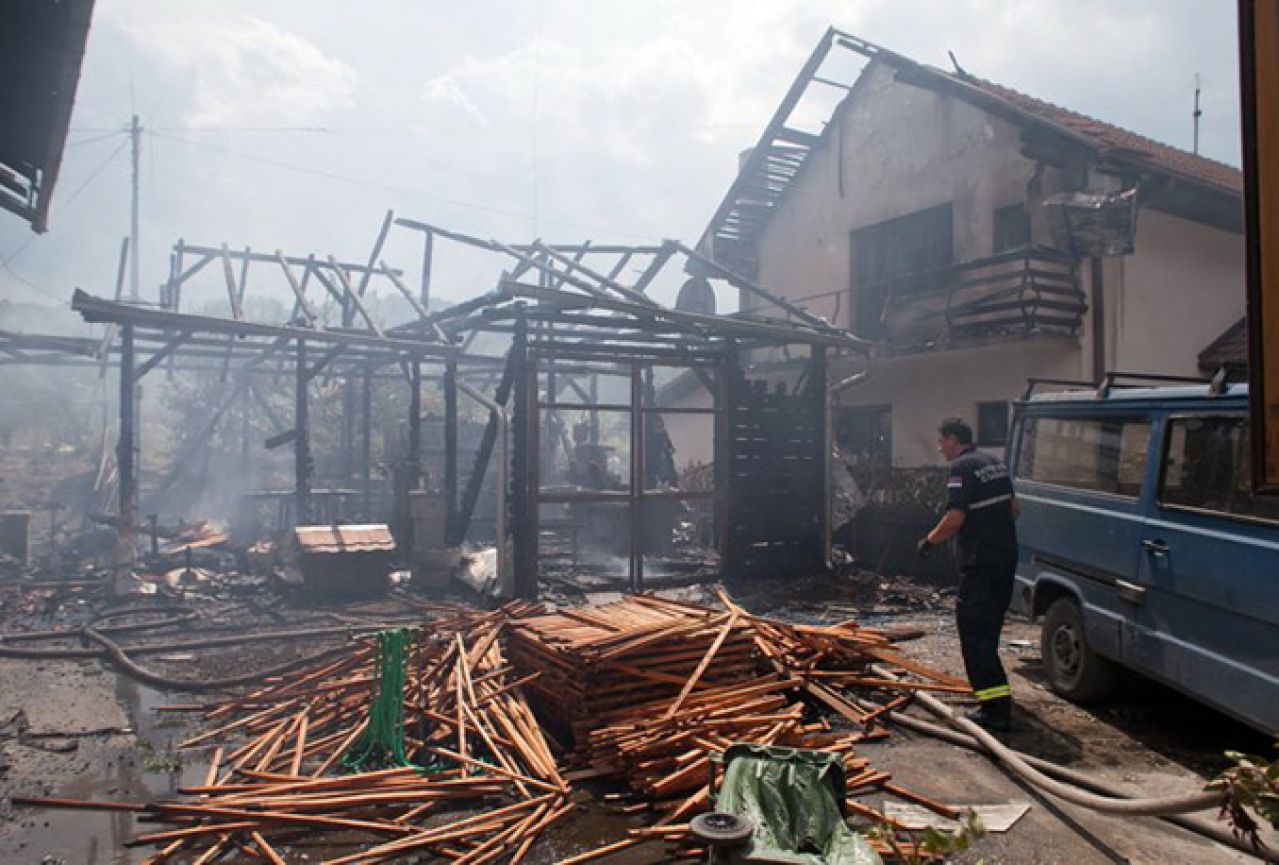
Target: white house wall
x,y
1180,289
903,149
924,388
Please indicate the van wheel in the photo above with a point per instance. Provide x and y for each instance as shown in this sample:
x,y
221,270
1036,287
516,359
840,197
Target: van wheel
x,y
1074,670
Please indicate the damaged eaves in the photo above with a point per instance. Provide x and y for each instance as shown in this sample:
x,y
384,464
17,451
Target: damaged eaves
x,y
1180,183
41,51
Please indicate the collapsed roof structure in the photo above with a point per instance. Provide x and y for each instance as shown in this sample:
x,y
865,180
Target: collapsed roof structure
x,y
566,320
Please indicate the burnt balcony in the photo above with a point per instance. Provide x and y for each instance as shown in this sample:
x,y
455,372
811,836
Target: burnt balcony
x,y
1022,292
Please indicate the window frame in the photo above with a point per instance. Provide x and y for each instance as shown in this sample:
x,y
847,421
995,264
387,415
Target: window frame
x,y
860,301
877,409
983,441
1166,446
1121,418
996,224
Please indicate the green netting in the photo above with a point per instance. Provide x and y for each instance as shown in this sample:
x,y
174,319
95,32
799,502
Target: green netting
x,y
792,797
381,745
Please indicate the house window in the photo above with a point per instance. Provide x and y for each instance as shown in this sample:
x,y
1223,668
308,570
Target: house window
x,y
1012,228
887,251
992,423
865,434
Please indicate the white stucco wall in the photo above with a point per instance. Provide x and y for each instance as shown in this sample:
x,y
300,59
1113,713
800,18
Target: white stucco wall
x,y
924,388
1177,292
902,149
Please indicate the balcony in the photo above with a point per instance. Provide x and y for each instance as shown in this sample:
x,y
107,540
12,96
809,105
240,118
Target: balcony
x,y
1029,291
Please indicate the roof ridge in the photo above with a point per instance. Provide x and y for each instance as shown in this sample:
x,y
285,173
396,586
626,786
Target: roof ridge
x,y
1046,106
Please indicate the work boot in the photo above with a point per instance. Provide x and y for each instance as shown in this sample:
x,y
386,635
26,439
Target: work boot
x,y
994,715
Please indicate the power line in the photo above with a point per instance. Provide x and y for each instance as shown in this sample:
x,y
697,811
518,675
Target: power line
x,y
372,184
66,203
29,284
96,138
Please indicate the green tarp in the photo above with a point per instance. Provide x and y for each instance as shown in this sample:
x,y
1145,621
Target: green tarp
x,y
794,798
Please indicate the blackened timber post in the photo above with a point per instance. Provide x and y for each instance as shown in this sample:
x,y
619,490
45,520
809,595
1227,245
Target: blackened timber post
x,y
450,447
348,430
302,443
595,416
413,466
723,459
523,539
366,446
125,452
637,478
428,249
821,412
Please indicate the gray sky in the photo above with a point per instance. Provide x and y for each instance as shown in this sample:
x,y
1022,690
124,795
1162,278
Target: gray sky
x,y
562,119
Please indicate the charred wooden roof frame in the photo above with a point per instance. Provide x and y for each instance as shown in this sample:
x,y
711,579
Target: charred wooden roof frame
x,y
568,315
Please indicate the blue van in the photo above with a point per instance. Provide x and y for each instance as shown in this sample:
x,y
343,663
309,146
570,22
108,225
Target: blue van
x,y
1142,544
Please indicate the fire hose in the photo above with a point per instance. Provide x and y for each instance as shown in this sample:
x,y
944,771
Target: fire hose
x,y
1105,800
121,656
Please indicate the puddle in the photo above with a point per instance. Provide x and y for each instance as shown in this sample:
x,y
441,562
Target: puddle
x,y
119,769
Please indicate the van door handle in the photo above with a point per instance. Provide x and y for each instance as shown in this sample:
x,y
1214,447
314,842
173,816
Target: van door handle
x,y
1155,548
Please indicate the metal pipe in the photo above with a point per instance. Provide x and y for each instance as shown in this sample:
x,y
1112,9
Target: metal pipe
x,y
845,383
504,583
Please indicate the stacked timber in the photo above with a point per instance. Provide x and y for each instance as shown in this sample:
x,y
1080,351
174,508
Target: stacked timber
x,y
597,663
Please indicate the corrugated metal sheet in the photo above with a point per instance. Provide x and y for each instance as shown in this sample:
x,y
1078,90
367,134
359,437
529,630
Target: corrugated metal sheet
x,y
370,538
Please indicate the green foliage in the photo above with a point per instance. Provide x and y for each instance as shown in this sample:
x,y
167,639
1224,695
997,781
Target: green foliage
x,y
935,843
1250,786
165,762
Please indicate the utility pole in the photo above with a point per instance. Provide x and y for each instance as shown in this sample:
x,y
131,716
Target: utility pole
x,y
135,134
1197,114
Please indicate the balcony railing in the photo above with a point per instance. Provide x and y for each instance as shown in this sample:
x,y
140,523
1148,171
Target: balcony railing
x,y
1034,290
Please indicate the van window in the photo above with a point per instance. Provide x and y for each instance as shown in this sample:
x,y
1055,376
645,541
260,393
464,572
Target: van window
x,y
1105,455
1206,468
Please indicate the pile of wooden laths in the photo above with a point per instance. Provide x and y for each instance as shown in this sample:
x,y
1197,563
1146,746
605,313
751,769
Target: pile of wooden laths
x,y
651,687
476,781
363,760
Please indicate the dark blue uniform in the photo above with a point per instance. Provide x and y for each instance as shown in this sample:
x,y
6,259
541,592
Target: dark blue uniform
x,y
979,487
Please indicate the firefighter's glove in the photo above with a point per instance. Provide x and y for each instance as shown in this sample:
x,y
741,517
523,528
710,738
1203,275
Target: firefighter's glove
x,y
924,548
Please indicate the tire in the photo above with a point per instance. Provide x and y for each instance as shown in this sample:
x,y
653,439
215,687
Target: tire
x,y
1073,669
720,829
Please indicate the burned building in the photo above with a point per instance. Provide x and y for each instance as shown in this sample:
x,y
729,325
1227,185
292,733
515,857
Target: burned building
x,y
979,236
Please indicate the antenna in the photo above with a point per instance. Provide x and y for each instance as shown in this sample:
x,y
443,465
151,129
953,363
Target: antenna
x,y
1197,113
135,134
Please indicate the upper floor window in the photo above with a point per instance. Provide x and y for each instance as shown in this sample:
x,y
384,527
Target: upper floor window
x,y
882,252
992,423
1012,227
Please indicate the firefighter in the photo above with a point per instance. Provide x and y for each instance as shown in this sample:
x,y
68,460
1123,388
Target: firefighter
x,y
981,509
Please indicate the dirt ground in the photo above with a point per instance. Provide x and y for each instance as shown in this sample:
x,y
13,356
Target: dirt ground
x,y
79,730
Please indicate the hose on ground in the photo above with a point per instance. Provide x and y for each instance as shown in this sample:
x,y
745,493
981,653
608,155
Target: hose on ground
x,y
142,674
185,614
1183,804
1198,825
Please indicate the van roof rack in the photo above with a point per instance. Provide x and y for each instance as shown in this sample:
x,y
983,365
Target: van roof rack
x,y
1115,379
